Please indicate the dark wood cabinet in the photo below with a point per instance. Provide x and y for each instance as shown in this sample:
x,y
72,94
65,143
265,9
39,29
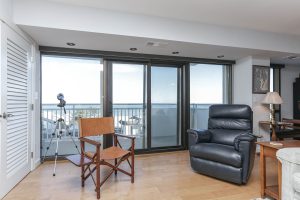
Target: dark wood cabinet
x,y
296,94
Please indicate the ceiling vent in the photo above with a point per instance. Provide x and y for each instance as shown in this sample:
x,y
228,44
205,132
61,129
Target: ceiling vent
x,y
291,57
156,44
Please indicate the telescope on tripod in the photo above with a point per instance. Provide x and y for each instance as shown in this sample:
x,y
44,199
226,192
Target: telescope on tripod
x,y
62,101
60,127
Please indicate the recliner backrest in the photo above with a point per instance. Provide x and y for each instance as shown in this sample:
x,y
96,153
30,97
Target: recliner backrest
x,y
228,121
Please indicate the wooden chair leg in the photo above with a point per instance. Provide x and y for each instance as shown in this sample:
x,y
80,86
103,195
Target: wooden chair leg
x,y
116,144
132,168
98,181
132,162
116,171
82,176
98,173
82,146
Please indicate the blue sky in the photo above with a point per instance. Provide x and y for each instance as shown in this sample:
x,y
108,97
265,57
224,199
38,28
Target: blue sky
x,y
206,83
79,81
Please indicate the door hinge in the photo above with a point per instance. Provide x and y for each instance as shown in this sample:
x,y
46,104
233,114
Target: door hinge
x,y
31,154
31,106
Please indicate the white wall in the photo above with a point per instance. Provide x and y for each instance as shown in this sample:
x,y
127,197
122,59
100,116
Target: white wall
x,y
242,81
6,16
288,76
70,17
5,10
242,91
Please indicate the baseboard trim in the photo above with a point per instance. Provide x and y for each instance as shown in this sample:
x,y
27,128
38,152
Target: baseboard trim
x,y
36,164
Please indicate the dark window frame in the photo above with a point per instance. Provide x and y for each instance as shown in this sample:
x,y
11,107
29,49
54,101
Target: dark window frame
x,y
182,62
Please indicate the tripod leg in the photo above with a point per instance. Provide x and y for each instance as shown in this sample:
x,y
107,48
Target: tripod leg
x,y
58,136
56,154
48,147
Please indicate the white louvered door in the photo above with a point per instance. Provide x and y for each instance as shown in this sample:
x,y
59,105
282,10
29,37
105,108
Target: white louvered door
x,y
15,156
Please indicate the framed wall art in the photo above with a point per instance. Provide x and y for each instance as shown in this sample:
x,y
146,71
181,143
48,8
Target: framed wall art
x,y
260,79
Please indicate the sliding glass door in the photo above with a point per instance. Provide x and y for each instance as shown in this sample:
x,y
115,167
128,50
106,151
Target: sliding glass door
x,y
128,86
146,103
165,106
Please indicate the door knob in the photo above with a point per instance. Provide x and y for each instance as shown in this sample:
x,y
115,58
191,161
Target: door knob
x,y
6,115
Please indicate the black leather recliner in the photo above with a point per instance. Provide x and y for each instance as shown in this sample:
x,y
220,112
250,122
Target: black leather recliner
x,y
227,149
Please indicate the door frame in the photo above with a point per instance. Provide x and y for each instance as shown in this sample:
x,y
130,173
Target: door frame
x,y
108,91
144,58
179,104
108,100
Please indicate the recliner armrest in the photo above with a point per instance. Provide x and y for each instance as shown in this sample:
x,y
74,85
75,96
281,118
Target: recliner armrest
x,y
243,138
197,136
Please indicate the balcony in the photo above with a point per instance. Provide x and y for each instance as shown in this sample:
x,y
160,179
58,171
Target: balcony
x,y
129,120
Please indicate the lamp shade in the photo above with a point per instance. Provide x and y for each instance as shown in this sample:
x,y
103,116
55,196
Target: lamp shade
x,y
272,98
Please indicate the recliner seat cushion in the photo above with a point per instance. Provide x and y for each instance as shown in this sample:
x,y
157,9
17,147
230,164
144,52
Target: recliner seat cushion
x,y
217,152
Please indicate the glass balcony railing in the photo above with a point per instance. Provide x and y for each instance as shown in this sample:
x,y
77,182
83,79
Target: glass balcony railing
x,y
124,115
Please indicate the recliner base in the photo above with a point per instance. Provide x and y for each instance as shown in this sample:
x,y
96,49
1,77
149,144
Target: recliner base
x,y
217,170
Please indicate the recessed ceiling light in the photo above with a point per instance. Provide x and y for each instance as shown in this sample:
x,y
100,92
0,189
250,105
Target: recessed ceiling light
x,y
133,49
220,56
71,44
175,52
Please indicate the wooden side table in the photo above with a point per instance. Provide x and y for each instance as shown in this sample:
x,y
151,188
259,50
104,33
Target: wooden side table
x,y
269,150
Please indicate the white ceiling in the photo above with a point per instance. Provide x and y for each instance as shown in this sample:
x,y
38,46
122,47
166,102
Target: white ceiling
x,y
280,16
108,42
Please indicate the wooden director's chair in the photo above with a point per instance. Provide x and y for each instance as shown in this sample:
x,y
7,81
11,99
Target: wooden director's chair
x,y
91,161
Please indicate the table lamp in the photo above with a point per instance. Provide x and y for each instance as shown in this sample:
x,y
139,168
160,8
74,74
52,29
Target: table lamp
x,y
272,98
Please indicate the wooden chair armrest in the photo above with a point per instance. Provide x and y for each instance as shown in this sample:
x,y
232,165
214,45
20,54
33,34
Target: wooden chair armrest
x,y
125,136
93,142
